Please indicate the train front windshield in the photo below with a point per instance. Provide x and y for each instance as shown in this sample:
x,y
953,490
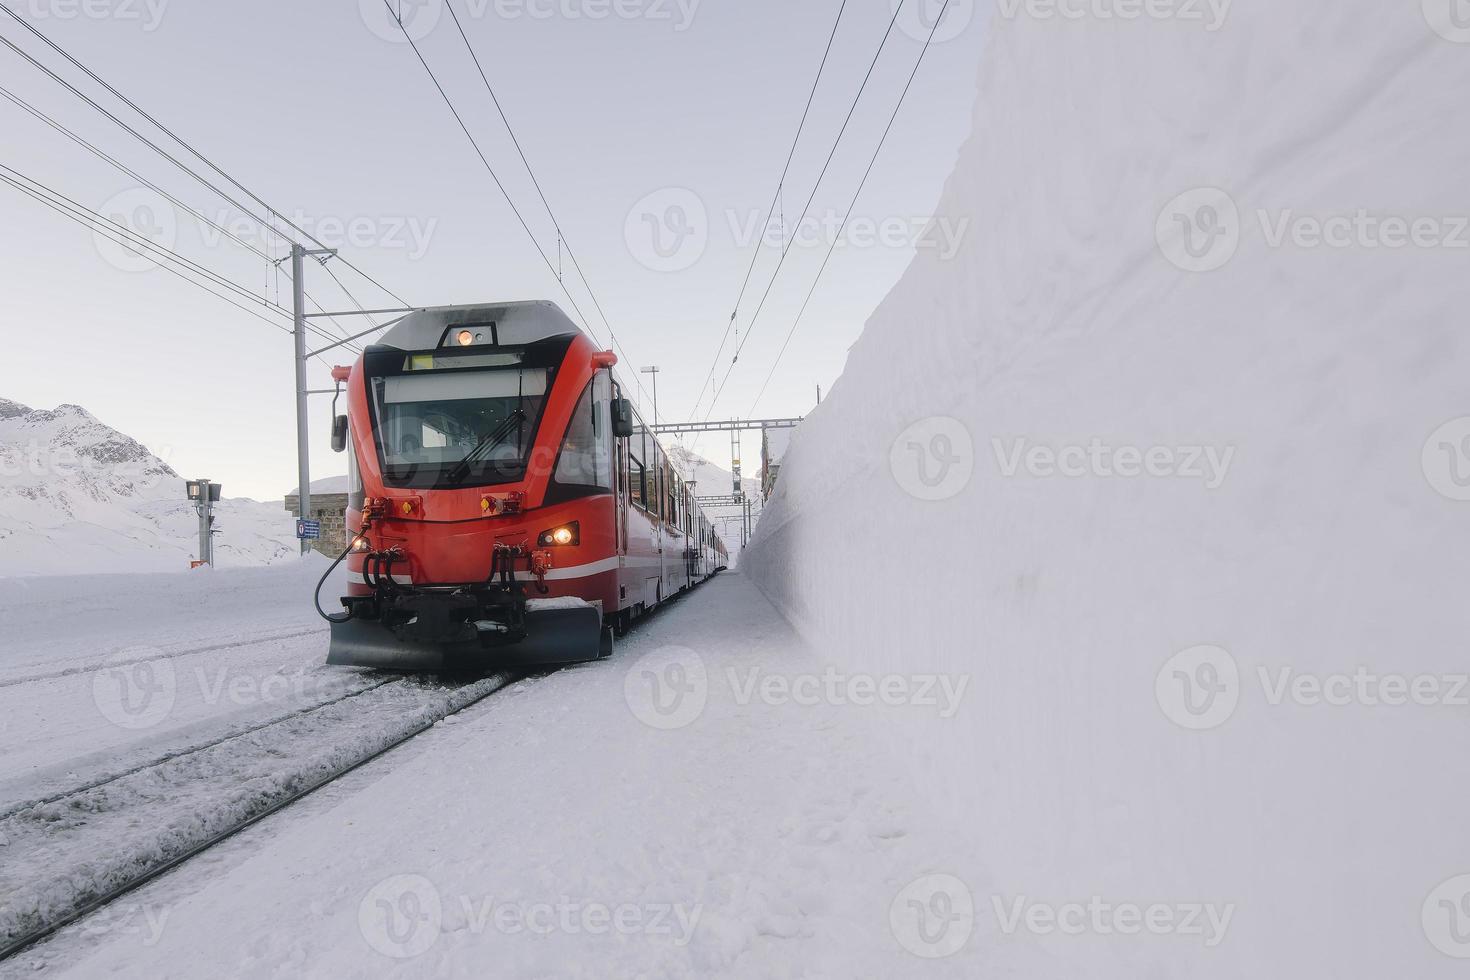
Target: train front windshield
x,y
447,423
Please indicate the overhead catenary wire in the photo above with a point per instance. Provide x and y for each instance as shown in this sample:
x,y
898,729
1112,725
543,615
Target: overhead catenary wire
x,y
135,133
176,138
485,160
129,129
124,237
832,248
479,152
780,188
563,243
171,158
145,182
126,243
151,246
852,110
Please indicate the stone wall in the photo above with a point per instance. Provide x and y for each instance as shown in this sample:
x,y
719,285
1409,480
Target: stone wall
x,y
331,510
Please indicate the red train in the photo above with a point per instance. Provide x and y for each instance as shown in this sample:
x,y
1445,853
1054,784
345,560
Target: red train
x,y
507,504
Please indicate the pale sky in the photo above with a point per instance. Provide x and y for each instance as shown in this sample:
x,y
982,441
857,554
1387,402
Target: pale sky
x,y
675,117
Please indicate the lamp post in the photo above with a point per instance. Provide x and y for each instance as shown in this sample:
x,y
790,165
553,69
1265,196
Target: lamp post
x,y
653,371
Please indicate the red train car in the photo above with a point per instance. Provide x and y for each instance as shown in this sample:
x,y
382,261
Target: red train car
x,y
507,503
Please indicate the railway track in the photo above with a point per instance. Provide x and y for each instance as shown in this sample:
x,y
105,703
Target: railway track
x,y
92,665
92,845
104,779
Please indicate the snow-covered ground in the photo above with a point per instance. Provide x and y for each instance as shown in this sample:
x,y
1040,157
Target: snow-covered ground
x,y
100,674
1189,510
665,813
77,497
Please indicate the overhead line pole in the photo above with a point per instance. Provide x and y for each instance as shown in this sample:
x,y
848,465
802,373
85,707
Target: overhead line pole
x,y
303,441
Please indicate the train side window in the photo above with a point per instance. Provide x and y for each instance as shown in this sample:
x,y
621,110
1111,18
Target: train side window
x,y
656,485
584,463
637,475
355,490
602,397
642,478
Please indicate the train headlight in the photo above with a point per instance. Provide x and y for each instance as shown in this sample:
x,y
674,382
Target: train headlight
x,y
564,536
359,545
465,338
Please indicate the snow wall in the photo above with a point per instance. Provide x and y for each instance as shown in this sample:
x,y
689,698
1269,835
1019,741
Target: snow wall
x,y
1089,758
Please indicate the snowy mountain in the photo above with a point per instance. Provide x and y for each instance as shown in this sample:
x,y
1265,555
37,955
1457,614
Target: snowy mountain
x,y
78,496
714,480
327,484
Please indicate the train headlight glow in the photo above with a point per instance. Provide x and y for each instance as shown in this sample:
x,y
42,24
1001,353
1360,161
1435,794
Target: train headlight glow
x,y
561,537
466,338
361,544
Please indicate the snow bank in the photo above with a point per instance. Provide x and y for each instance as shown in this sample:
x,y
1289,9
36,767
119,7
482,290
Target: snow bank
x,y
1287,397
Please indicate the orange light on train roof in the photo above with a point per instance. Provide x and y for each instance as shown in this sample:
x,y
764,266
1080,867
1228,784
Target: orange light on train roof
x,y
340,373
604,359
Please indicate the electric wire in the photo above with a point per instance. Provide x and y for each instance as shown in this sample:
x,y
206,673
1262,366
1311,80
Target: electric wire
x,y
173,136
832,248
562,240
498,183
780,186
172,199
126,238
483,159
145,182
750,328
124,243
205,182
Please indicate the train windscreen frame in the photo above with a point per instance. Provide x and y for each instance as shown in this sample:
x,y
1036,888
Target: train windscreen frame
x,y
459,419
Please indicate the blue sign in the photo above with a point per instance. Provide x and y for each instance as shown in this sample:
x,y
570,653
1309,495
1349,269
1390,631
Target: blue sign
x,y
308,530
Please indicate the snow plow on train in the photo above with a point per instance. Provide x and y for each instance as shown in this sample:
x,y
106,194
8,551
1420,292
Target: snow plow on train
x,y
507,507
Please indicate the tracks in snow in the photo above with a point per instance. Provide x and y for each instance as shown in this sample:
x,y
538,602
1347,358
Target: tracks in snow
x,y
92,665
76,852
112,777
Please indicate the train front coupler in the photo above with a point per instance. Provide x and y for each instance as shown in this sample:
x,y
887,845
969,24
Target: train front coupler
x,y
453,627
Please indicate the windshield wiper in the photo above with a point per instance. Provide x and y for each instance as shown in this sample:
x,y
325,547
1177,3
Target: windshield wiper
x,y
488,443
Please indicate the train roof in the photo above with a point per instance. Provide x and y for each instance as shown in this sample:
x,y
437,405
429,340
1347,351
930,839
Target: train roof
x,y
516,323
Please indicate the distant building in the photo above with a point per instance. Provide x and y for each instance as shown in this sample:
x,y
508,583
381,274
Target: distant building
x,y
774,443
328,505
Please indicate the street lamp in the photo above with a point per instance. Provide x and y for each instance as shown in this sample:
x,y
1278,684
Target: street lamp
x,y
653,371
